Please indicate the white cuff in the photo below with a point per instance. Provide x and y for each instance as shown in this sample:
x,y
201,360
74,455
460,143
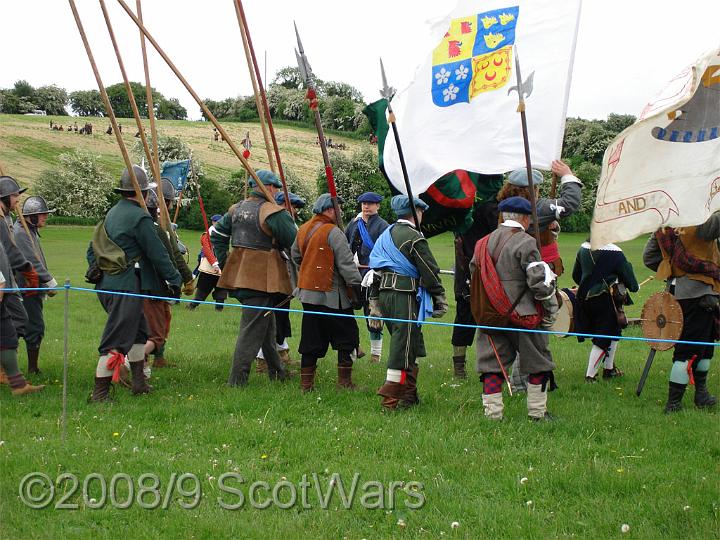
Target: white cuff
x,y
50,284
570,178
549,274
368,279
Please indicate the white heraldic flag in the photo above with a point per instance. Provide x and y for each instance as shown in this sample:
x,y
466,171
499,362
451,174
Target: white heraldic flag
x,y
664,170
460,112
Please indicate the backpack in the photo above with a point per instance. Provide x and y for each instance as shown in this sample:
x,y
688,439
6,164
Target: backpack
x,y
109,257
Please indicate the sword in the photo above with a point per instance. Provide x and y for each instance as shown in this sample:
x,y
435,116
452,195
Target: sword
x,y
497,357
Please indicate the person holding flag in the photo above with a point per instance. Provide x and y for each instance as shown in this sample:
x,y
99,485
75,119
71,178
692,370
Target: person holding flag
x,y
362,233
405,285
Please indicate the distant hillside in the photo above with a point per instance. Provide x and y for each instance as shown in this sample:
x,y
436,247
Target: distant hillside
x,y
28,146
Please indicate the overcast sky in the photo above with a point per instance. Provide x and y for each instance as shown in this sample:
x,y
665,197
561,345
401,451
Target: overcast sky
x,y
626,51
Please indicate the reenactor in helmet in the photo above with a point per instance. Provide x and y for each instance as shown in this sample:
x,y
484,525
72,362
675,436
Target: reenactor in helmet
x,y
140,265
157,312
36,211
23,274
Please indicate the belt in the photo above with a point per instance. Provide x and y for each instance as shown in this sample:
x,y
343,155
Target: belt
x,y
398,282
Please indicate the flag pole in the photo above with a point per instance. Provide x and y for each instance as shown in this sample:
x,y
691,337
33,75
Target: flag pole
x,y
108,107
526,145
387,92
209,115
308,78
266,108
258,102
155,156
131,98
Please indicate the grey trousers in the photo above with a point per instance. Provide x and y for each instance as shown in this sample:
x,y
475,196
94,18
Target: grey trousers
x,y
531,349
16,308
256,331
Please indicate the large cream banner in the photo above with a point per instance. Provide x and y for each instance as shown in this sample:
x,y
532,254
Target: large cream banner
x,y
664,170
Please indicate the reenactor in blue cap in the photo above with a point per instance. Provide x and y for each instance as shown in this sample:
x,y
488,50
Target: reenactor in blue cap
x,y
362,233
406,286
513,287
254,272
550,210
283,328
326,273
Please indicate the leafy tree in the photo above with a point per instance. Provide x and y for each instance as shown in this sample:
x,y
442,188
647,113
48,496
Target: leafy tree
x,y
24,89
355,175
343,90
338,113
87,103
79,186
121,103
51,99
170,109
618,122
288,77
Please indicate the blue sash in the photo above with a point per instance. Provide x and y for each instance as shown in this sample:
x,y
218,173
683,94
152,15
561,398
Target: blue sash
x,y
364,234
385,254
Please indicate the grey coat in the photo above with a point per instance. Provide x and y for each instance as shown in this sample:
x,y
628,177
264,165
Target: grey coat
x,y
517,279
17,260
685,287
549,210
345,274
28,247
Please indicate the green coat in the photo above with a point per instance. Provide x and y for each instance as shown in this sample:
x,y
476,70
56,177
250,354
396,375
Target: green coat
x,y
132,228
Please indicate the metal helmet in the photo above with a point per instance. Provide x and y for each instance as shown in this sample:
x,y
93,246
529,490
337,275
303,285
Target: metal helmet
x,y
8,186
35,205
126,184
168,189
151,200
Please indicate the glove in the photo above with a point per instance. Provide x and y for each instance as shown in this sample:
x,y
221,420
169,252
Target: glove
x,y
375,324
357,297
51,285
440,307
550,308
32,281
189,288
174,290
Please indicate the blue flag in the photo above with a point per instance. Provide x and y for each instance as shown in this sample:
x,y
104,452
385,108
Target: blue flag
x,y
177,172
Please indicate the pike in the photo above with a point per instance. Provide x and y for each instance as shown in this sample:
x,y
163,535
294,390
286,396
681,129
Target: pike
x,y
309,80
387,92
524,89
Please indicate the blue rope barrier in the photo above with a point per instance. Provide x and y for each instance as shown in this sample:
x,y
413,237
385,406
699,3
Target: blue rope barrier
x,y
365,317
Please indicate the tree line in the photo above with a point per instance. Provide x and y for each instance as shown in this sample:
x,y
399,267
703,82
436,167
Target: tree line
x,y
23,98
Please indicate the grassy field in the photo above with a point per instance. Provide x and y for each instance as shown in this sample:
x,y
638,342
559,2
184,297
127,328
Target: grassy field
x,y
610,459
28,147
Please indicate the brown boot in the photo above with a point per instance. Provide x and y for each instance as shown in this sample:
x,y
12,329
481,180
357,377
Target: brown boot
x,y
374,358
33,355
359,352
161,362
391,393
459,367
345,378
20,386
410,396
139,383
284,355
260,366
307,378
3,376
101,390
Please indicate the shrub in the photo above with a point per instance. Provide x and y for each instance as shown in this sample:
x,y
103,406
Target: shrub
x,y
78,187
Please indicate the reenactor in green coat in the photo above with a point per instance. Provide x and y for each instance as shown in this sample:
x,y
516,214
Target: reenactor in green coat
x,y
143,266
406,285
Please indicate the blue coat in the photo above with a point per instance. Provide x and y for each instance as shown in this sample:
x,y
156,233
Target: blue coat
x,y
375,227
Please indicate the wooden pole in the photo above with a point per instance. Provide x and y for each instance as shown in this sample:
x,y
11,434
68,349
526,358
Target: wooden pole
x,y
155,157
266,108
164,223
258,102
209,115
108,107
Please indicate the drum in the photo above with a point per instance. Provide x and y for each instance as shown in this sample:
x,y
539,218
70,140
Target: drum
x,y
564,320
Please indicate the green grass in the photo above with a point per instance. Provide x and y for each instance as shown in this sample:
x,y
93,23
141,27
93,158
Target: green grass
x,y
610,459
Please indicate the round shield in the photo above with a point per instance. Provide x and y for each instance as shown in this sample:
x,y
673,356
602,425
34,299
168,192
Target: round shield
x,y
662,318
564,319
